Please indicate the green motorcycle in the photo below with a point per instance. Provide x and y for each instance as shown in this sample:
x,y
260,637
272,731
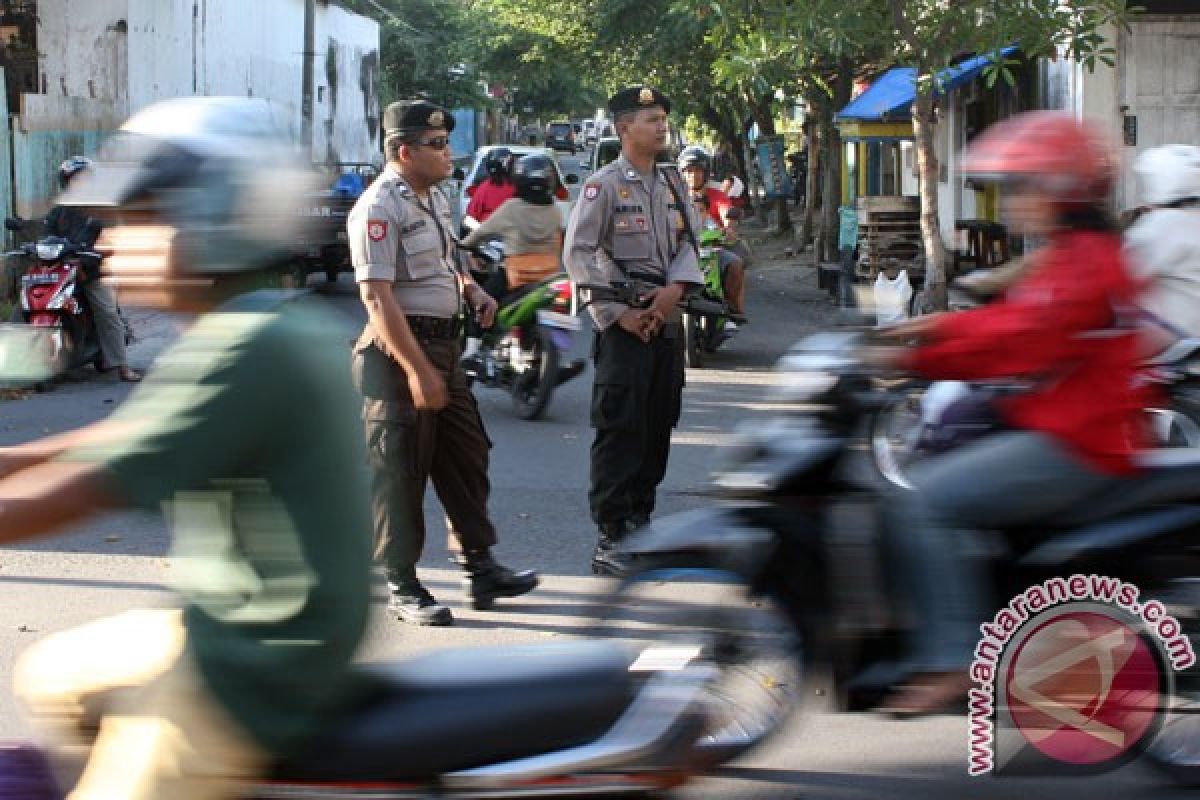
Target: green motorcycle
x,y
525,350
705,325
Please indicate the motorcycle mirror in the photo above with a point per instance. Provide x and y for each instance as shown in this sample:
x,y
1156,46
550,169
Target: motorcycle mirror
x,y
25,355
459,175
92,231
13,224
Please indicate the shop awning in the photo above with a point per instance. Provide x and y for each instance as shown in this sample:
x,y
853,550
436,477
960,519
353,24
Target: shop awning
x,y
891,96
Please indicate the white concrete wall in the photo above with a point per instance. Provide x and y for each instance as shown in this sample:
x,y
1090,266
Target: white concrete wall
x,y
83,49
218,47
347,78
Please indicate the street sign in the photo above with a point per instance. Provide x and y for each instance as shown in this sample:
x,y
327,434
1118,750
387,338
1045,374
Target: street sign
x,y
848,228
776,181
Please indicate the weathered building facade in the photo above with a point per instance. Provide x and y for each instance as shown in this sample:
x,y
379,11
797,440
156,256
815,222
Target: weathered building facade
x,y
1151,96
98,61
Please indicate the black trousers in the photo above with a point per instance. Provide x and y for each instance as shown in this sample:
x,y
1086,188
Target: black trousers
x,y
636,400
408,448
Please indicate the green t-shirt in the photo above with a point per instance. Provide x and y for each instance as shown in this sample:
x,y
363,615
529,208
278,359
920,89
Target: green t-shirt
x,y
247,434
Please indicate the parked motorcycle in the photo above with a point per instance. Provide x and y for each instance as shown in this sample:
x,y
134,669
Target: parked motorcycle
x,y
705,331
524,352
51,297
788,542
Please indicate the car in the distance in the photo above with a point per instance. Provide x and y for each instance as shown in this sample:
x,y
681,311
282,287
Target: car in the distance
x,y
478,173
560,136
606,151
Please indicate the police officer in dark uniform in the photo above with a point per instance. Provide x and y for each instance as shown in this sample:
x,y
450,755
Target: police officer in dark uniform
x,y
421,419
633,216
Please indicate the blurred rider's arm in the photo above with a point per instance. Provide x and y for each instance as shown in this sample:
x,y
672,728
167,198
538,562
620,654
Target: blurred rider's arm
x,y
40,500
30,454
1038,326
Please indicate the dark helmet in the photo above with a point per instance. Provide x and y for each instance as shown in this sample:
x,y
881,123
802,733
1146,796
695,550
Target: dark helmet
x,y
534,178
497,161
70,168
695,156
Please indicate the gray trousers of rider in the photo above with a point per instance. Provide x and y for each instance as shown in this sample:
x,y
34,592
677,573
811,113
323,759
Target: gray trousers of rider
x,y
110,328
933,539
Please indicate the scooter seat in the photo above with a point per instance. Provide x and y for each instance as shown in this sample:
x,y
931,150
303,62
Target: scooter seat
x,y
463,708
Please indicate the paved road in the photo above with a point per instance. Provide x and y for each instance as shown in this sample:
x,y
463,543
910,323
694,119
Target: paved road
x,y
539,472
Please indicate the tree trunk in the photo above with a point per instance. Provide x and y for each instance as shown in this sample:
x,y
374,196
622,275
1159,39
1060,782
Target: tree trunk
x,y
831,198
766,127
747,159
831,192
924,127
810,184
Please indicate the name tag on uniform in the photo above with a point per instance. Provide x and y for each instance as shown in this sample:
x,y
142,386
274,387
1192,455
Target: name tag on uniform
x,y
628,209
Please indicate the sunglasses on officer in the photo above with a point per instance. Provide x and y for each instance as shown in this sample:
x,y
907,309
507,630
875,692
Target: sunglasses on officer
x,y
436,143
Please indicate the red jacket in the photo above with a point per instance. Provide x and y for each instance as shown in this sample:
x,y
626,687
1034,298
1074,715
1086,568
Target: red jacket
x,y
1068,326
486,197
718,204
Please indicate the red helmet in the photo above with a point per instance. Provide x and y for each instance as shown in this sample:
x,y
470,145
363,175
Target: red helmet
x,y
1049,149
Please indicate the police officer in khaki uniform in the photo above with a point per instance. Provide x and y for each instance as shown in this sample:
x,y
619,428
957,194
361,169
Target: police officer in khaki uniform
x,y
633,217
421,419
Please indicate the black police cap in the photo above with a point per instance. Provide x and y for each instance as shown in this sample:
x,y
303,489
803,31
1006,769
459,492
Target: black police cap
x,y
414,116
635,98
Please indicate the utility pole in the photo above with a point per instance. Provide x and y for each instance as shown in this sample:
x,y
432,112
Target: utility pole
x,y
310,56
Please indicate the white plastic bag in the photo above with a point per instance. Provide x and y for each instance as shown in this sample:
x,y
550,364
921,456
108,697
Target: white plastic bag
x,y
892,298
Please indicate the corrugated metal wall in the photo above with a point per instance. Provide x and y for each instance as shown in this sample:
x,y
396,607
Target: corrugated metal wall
x,y
36,156
6,164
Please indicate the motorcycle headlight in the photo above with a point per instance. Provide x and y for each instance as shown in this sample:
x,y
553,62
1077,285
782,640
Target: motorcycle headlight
x,y
49,251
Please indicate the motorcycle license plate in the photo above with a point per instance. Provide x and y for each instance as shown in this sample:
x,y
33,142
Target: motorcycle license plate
x,y
556,320
39,278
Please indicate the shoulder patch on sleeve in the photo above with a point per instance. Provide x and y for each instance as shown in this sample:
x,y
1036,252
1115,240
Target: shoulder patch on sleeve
x,y
377,229
591,191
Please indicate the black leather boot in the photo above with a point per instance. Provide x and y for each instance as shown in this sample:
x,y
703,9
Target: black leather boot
x,y
487,580
638,520
607,558
412,603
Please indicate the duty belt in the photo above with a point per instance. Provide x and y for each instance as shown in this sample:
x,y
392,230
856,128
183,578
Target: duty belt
x,y
435,327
